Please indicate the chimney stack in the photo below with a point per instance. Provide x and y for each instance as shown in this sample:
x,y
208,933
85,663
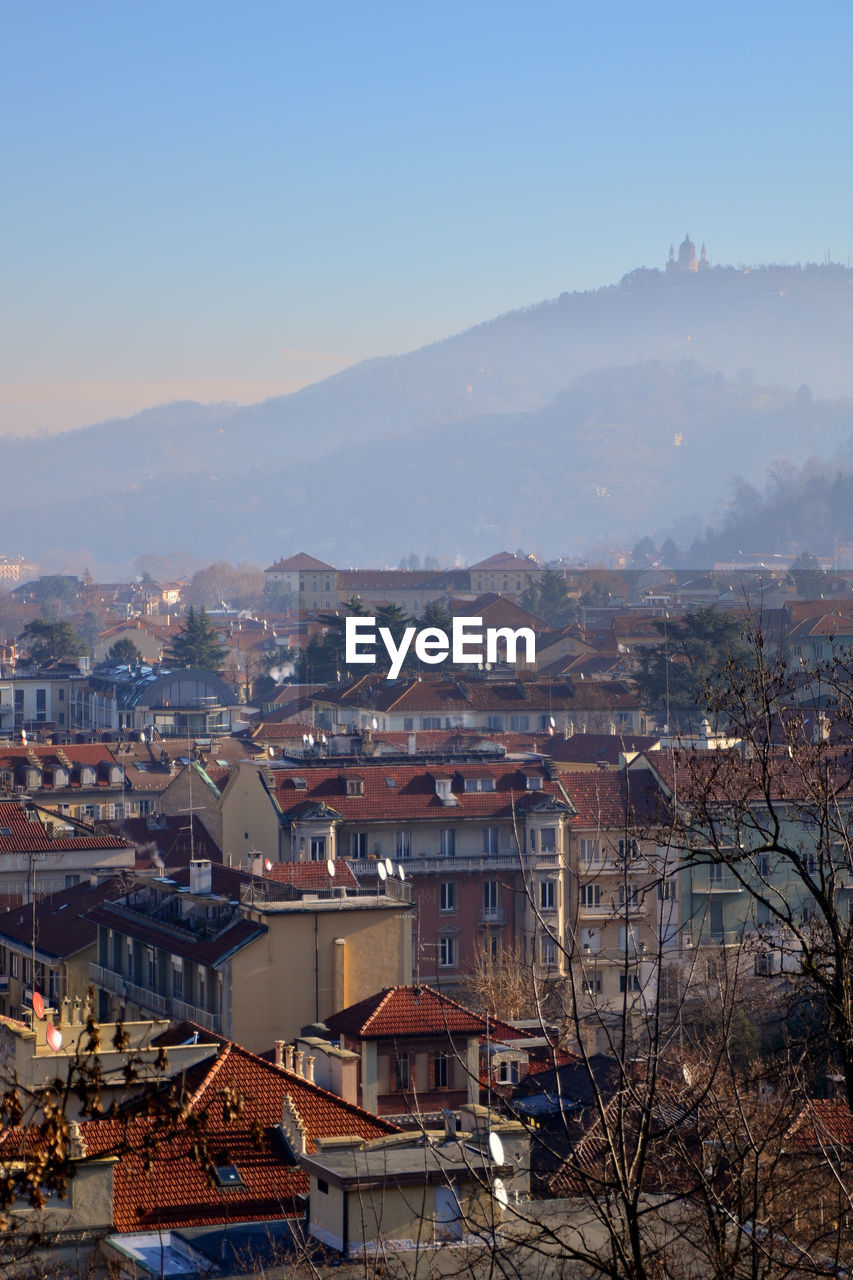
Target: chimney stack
x,y
279,1053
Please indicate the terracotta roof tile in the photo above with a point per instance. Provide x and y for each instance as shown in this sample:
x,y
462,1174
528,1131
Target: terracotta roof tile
x,y
413,1011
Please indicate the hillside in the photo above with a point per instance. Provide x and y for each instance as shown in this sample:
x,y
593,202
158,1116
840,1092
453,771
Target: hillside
x,y
569,423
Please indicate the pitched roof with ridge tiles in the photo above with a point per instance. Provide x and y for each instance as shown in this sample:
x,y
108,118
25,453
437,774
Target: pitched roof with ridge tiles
x,y
174,1191
25,836
414,1011
300,561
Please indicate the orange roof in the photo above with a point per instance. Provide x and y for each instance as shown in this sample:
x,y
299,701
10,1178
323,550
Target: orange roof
x,y
159,1179
413,1011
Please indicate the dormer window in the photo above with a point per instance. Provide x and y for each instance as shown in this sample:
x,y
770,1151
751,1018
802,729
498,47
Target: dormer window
x,y
355,786
442,788
533,782
299,784
60,777
87,776
480,784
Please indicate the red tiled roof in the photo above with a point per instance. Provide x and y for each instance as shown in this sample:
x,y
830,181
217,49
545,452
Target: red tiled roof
x,y
395,791
176,1192
823,1122
505,560
413,1011
614,799
313,875
300,561
32,837
457,696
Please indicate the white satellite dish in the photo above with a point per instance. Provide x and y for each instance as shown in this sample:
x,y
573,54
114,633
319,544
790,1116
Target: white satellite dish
x,y
330,866
142,737
375,723
400,871
267,865
54,1038
310,739
383,874
552,722
389,866
496,1149
500,1193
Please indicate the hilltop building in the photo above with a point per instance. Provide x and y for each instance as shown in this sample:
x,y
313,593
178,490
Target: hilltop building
x,y
687,263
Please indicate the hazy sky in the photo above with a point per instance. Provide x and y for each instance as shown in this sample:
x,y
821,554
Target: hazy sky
x,y
224,201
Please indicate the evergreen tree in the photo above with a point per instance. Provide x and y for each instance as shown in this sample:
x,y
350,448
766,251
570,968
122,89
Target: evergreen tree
x,y
124,651
196,644
49,641
676,679
547,598
807,576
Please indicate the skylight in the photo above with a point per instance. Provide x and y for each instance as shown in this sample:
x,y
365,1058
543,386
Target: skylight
x,y
226,1176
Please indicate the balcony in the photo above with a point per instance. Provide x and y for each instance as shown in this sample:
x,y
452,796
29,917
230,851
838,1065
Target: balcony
x,y
150,1002
423,864
493,916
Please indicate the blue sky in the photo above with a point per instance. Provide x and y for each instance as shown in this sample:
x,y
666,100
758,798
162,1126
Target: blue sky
x,y
226,201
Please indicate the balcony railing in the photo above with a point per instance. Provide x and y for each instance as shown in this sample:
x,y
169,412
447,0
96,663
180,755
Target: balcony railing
x,y
150,1002
440,863
493,916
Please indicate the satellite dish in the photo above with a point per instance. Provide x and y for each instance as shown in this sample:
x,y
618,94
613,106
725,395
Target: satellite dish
x,y
400,872
375,723
310,739
330,866
552,722
496,1149
389,866
500,1191
142,737
383,874
24,736
305,739
54,1038
38,1004
267,865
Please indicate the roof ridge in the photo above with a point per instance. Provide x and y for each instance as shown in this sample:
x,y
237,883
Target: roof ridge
x,y
209,1075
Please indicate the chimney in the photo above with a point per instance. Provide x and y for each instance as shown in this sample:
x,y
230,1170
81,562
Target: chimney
x,y
201,875
288,1057
279,1053
309,1068
298,1056
410,744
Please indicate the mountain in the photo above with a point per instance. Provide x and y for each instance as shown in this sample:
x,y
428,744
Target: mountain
x,y
560,426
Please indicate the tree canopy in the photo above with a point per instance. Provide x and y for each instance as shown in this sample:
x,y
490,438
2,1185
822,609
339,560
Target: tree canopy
x,y
52,641
196,644
675,676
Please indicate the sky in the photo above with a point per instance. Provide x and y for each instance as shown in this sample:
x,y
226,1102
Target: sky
x,y
224,202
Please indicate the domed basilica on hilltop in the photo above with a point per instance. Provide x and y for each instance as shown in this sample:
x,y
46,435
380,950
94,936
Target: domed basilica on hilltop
x,y
687,260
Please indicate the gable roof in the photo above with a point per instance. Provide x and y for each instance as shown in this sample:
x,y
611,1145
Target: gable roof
x,y
27,834
300,561
175,1191
62,923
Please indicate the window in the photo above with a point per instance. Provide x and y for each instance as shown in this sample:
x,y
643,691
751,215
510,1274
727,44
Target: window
x,y
401,1072
762,864
494,723
480,784
590,851
448,842
715,874
408,724
355,786
666,890
61,695
323,1186
404,844
507,1073
629,982
442,788
519,724
41,704
533,782
592,985
447,896
439,1071
14,964
430,722
177,978
151,968
128,959
447,953
202,987
548,951
491,899
358,844
548,840
318,848
590,895
490,839
628,849
70,881
629,895
547,895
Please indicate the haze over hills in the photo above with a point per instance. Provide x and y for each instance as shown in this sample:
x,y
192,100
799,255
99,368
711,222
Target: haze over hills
x,y
575,422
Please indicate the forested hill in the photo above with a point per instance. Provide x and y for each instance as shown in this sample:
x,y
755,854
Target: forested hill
x,y
572,422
